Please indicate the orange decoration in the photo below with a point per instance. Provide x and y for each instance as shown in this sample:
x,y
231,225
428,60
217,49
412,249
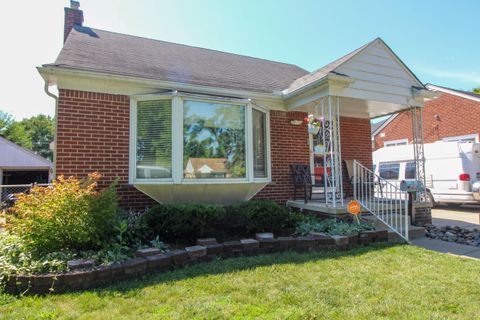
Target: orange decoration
x,y
354,207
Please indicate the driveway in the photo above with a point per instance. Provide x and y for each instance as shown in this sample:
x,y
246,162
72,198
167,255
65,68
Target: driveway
x,y
467,216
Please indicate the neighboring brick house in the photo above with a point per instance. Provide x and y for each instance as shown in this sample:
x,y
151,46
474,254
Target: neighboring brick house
x,y
453,116
140,109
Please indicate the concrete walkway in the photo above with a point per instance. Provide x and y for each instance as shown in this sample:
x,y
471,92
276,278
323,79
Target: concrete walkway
x,y
461,250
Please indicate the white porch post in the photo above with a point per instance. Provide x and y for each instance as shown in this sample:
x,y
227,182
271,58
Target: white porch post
x,y
418,151
332,151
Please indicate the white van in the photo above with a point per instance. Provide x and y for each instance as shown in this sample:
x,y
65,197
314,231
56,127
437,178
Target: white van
x,y
452,169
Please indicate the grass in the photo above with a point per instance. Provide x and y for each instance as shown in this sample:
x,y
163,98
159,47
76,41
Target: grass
x,y
400,282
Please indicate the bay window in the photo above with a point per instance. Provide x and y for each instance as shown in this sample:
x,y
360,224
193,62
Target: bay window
x,y
183,140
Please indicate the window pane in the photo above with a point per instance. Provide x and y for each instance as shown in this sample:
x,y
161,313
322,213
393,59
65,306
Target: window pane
x,y
154,139
213,140
410,170
389,171
259,147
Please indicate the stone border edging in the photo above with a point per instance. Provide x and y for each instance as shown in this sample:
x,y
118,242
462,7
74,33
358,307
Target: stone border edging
x,y
156,263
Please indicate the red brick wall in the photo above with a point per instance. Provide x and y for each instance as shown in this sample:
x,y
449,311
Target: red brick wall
x,y
458,116
289,145
355,135
72,17
93,135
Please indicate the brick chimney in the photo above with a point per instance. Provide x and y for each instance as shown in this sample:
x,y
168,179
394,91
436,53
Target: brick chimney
x,y
73,17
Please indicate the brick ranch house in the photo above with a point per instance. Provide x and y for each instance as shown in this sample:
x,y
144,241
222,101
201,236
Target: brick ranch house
x,y
142,109
453,116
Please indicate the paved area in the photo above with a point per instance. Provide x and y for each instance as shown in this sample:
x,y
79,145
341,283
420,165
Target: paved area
x,y
448,247
462,216
467,216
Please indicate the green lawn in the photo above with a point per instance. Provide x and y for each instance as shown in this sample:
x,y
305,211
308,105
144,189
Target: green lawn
x,y
384,281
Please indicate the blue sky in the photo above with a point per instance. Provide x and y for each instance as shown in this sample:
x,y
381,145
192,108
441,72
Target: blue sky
x,y
438,40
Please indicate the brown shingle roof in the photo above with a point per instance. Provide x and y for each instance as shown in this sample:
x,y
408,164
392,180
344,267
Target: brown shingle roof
x,y
119,54
323,71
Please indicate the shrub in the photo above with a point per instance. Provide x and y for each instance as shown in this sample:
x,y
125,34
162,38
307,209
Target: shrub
x,y
262,216
330,226
182,222
69,215
15,258
187,222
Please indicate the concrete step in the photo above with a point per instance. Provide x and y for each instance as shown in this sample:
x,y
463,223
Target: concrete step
x,y
414,232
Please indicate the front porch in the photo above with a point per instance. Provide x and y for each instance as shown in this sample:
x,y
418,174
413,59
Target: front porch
x,y
341,99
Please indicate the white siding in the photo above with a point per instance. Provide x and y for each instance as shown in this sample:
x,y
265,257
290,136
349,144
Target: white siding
x,y
378,76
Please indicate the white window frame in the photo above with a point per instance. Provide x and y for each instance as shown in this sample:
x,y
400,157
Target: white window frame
x,y
177,140
268,168
395,142
132,177
460,138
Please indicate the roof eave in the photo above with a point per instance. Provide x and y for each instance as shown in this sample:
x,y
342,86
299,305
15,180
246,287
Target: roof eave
x,y
433,87
52,73
329,78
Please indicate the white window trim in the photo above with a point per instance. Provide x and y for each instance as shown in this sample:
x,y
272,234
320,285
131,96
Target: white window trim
x,y
267,144
177,140
394,142
132,165
458,138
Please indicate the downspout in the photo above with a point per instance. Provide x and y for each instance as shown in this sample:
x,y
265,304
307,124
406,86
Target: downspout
x,y
46,89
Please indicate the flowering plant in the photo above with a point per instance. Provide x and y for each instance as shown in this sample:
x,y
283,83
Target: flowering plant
x,y
312,121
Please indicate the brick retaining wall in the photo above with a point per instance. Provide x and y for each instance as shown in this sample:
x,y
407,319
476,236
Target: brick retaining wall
x,y
140,266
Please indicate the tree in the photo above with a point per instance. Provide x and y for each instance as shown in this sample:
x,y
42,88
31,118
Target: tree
x,y
17,134
35,133
476,90
6,120
40,130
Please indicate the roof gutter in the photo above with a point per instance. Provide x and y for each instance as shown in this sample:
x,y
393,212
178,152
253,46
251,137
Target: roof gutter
x,y
51,74
47,91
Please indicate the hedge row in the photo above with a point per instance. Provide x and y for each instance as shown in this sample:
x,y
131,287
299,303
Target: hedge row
x,y
183,223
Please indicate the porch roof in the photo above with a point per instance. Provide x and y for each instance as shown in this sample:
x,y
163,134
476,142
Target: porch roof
x,y
371,81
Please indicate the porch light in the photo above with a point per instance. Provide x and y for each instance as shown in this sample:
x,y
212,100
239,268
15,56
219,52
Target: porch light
x,y
296,122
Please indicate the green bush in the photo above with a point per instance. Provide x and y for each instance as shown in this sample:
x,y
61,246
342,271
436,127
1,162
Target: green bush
x,y
16,258
330,226
70,215
261,216
182,222
187,222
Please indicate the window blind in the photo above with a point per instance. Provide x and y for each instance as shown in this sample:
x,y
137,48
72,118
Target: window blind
x,y
259,147
154,139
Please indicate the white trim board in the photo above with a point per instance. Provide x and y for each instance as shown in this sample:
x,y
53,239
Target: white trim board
x,y
452,92
462,137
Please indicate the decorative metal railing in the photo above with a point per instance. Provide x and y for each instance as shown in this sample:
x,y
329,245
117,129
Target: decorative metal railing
x,y
381,198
